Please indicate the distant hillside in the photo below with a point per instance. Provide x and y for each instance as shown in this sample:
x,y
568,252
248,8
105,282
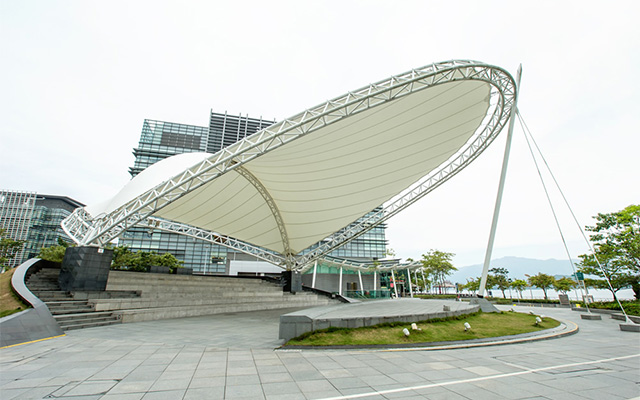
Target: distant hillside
x,y
517,267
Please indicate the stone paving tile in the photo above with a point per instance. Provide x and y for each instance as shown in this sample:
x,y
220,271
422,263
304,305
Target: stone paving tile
x,y
207,382
336,373
285,396
164,395
8,394
275,377
208,393
273,369
131,387
280,388
91,388
348,383
244,391
202,355
170,384
121,396
36,393
406,377
472,391
306,375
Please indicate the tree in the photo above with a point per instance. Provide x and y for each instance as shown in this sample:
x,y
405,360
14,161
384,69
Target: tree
x,y
563,285
605,266
8,248
123,258
542,281
499,279
472,285
519,285
616,243
54,253
437,264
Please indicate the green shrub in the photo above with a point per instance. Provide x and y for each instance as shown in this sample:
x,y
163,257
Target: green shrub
x,y
630,307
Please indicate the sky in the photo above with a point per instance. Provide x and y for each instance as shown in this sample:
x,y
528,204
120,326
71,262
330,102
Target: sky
x,y
78,78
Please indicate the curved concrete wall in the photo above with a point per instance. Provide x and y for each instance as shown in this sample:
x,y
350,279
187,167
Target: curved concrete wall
x,y
33,324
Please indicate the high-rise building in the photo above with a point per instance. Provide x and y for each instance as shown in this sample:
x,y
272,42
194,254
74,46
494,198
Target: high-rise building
x,y
34,218
45,230
159,140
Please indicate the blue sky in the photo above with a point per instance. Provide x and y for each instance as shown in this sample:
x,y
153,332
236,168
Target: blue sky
x,y
79,77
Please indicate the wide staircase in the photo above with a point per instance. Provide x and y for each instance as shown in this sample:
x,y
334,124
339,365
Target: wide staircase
x,y
71,312
175,296
139,296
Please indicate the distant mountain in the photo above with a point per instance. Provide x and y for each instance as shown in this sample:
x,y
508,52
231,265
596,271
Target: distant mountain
x,y
517,267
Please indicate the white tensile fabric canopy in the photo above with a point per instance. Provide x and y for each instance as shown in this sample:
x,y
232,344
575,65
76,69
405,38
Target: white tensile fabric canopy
x,y
302,189
322,182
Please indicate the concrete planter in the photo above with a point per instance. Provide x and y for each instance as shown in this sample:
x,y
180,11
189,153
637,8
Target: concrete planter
x,y
184,271
159,269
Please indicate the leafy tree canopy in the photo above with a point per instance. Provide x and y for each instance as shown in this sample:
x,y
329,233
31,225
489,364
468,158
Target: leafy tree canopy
x,y
542,281
616,241
519,285
498,278
54,253
123,258
438,266
563,285
8,248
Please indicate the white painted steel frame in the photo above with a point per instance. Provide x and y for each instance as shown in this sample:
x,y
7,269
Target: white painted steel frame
x,y
85,229
153,223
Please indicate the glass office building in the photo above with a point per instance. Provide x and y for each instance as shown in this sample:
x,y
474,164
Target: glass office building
x,y
16,209
159,140
34,218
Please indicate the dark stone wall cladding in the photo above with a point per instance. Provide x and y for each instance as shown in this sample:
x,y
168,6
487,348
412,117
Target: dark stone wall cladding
x,y
85,268
292,281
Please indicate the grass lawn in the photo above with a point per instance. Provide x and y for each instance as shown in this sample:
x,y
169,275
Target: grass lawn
x,y
483,325
9,302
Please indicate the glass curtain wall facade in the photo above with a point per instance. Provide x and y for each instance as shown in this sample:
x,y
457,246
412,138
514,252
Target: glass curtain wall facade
x,y
34,218
16,210
45,230
159,140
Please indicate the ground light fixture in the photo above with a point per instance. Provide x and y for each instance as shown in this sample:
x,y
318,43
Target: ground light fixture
x,y
467,327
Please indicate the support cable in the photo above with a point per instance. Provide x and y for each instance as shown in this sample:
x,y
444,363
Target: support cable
x,y
527,134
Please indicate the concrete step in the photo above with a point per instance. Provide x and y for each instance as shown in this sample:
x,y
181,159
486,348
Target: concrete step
x,y
107,294
64,319
151,314
143,302
47,297
86,325
70,309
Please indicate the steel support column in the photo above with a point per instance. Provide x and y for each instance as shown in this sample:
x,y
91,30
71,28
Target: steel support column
x,y
503,176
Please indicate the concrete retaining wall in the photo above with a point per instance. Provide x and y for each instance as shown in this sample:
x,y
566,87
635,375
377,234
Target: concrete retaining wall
x,y
36,323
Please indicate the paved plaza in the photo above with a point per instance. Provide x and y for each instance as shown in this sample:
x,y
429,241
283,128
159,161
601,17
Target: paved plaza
x,y
232,356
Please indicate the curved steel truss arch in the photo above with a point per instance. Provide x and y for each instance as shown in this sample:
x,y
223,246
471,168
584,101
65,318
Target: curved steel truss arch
x,y
85,229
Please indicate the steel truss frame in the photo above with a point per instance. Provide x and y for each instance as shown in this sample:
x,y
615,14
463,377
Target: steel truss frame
x,y
153,223
164,225
85,229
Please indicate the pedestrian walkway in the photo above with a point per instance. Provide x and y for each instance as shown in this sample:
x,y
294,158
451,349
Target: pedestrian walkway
x,y
232,356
